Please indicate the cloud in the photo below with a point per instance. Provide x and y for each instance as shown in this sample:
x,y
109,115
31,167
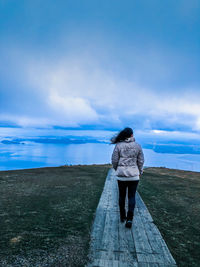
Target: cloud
x,y
72,109
25,121
65,65
77,89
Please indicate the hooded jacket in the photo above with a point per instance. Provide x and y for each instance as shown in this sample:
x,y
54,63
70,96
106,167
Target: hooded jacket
x,y
128,158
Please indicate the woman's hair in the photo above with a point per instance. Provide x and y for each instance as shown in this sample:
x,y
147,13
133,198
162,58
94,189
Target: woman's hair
x,y
122,135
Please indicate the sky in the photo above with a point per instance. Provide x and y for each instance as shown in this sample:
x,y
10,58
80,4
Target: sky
x,y
105,64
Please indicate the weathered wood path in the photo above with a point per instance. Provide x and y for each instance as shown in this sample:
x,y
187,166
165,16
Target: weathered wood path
x,y
112,244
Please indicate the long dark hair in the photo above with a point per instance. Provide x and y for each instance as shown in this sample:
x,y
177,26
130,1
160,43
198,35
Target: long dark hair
x,y
122,135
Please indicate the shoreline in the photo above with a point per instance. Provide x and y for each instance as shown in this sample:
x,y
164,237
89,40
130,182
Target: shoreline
x,y
60,166
87,165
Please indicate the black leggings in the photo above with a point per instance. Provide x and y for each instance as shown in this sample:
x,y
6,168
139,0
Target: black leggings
x,y
132,186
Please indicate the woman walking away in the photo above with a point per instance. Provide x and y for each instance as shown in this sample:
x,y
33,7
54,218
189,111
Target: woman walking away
x,y
127,160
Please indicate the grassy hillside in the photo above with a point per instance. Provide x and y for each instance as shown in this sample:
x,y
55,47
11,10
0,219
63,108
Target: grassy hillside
x,y
46,214
173,198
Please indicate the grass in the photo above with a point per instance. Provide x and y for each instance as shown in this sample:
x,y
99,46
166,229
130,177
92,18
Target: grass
x,y
46,214
173,199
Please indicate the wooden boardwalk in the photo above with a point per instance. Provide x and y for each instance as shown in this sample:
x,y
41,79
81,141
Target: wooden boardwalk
x,y
112,244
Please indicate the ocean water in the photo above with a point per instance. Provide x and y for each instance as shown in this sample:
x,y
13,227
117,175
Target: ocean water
x,y
33,148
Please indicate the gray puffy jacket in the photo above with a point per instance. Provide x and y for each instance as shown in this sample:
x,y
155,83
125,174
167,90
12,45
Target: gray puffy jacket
x,y
128,158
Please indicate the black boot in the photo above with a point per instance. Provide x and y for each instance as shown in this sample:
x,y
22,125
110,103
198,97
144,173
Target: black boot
x,y
122,215
129,219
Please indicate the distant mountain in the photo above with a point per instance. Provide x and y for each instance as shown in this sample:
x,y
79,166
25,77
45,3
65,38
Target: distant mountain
x,y
53,140
174,148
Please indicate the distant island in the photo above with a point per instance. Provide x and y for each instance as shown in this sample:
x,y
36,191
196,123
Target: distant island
x,y
170,148
53,140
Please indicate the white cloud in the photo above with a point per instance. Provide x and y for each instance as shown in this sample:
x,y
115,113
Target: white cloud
x,y
26,121
79,90
72,109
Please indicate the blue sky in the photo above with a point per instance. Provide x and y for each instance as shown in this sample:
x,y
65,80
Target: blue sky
x,y
100,64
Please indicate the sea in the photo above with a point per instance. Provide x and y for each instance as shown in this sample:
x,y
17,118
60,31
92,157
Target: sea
x,y
25,148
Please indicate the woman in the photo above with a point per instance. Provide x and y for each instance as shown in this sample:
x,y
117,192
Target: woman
x,y
127,160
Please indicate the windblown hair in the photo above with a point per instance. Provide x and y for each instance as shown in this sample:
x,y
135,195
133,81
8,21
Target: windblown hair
x,y
122,135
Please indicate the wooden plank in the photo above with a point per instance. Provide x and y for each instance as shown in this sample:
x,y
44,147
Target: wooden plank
x,y
140,238
110,235
142,209
144,264
157,243
167,265
98,229
105,235
113,245
126,255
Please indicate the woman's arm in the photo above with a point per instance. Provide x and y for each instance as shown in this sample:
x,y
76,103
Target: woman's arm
x,y
140,160
115,157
